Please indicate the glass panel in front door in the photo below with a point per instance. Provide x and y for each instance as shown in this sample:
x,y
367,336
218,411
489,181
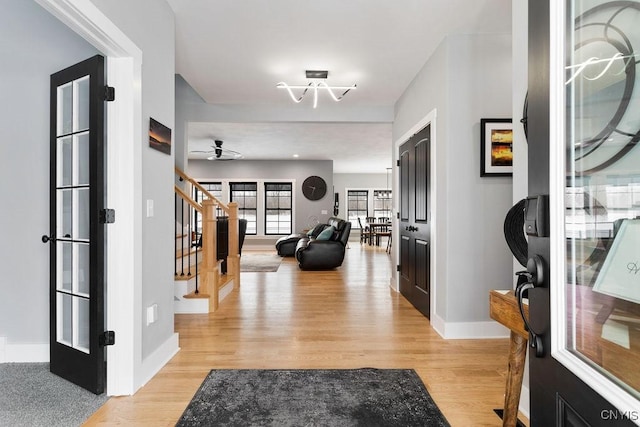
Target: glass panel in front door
x,y
602,192
73,216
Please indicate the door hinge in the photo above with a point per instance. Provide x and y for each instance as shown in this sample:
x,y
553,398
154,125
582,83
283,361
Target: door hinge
x,y
398,215
398,268
107,216
109,93
107,338
397,162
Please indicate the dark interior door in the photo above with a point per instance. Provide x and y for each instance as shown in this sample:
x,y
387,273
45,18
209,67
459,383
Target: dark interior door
x,y
596,188
414,221
76,230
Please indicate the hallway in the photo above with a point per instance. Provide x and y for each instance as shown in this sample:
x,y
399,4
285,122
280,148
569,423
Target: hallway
x,y
345,318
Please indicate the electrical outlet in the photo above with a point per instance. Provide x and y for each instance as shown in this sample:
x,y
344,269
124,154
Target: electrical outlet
x,y
324,212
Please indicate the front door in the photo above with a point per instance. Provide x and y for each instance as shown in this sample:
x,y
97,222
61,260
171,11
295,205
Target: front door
x,y
76,228
414,222
584,124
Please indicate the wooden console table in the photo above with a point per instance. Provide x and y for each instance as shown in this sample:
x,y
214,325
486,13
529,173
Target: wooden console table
x,y
503,308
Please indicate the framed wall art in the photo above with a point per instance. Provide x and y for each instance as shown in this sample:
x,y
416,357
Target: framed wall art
x,y
496,147
159,136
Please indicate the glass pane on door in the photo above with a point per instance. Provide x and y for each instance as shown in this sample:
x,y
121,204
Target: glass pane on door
x,y
602,191
73,215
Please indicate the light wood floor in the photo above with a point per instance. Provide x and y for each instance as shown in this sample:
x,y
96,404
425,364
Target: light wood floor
x,y
347,318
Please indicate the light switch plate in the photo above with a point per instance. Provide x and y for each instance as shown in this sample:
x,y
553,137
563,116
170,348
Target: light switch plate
x,y
149,208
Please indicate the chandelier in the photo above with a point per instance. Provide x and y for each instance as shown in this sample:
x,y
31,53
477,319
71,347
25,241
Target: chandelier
x,y
315,87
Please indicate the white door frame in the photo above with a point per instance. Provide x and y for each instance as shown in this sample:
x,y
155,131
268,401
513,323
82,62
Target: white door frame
x,y
430,118
124,184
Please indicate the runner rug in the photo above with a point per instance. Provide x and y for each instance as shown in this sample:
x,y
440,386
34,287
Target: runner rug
x,y
312,397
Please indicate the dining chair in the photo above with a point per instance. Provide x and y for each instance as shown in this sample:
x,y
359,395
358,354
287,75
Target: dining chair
x,y
364,232
389,241
382,231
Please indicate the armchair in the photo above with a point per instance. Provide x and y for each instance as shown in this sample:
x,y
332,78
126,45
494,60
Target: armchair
x,y
319,254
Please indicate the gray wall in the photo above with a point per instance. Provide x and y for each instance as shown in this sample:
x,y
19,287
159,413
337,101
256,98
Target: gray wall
x,y
468,78
34,45
342,181
150,25
296,170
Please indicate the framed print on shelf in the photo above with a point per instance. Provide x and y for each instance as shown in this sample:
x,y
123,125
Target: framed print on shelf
x,y
496,147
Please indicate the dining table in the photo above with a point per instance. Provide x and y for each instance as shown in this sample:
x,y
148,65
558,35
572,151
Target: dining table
x,y
375,227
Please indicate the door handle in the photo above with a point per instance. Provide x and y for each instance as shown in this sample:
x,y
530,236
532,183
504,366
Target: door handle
x,y
411,228
531,278
47,239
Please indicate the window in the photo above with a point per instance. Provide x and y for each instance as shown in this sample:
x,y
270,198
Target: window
x,y
215,188
245,194
382,202
278,208
357,202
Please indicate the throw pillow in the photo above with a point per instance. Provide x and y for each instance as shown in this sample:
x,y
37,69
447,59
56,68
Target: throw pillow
x,y
327,233
316,230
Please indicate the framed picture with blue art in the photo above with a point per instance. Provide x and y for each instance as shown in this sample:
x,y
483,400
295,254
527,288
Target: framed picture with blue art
x,y
159,136
496,147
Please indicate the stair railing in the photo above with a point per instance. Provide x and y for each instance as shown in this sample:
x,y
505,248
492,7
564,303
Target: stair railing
x,y
209,281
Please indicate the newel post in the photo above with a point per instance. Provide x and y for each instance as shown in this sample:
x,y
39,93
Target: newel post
x,y
233,258
210,279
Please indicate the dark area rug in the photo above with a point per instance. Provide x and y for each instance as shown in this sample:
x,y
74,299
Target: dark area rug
x,y
312,397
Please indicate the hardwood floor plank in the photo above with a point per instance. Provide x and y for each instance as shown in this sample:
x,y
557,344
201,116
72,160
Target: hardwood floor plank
x,y
345,318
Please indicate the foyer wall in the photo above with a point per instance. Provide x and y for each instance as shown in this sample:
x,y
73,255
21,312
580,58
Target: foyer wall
x,y
467,78
34,45
150,24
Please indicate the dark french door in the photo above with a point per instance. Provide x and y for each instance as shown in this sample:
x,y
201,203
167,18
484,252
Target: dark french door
x,y
77,221
584,124
414,222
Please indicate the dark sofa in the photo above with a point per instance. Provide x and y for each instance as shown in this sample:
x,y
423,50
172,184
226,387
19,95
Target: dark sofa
x,y
286,246
317,254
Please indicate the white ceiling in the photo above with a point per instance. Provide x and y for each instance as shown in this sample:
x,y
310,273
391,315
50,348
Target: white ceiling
x,y
235,52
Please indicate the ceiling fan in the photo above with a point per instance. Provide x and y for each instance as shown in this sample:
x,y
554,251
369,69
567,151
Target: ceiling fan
x,y
219,153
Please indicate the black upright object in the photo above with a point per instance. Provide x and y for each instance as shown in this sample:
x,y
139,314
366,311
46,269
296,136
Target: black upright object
x,y
414,234
557,396
86,368
222,239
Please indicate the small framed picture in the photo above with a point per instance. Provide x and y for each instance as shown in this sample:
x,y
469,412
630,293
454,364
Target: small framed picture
x,y
496,147
159,136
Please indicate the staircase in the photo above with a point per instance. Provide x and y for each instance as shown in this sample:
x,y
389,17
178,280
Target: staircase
x,y
199,287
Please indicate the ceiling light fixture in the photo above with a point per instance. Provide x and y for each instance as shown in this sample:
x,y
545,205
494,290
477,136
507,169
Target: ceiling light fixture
x,y
315,87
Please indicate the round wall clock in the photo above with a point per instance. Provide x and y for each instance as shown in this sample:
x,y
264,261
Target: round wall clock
x,y
314,188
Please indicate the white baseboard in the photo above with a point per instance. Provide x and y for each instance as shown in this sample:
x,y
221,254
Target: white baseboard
x,y
225,290
191,306
393,284
156,360
468,330
183,305
23,353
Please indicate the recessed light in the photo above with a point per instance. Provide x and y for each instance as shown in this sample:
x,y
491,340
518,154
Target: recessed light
x,y
296,156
